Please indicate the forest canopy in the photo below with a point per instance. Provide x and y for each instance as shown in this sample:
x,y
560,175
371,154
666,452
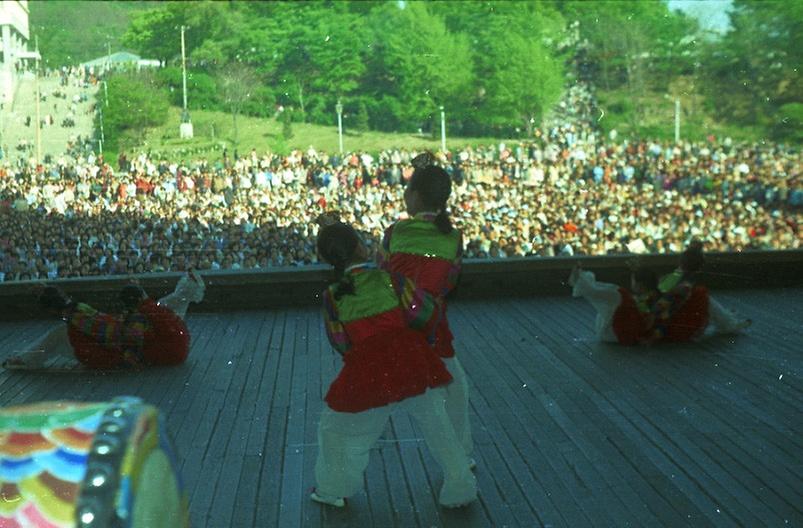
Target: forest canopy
x,y
496,66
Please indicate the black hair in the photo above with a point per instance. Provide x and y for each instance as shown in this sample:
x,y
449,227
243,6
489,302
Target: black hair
x,y
646,277
131,295
434,186
692,260
337,243
54,299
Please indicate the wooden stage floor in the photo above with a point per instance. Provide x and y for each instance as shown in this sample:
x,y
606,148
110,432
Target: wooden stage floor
x,y
568,432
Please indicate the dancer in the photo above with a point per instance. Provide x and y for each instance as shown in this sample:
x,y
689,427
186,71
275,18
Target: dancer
x,y
427,249
681,280
674,310
375,320
146,333
623,316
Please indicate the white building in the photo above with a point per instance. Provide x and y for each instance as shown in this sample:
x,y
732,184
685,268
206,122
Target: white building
x,y
14,54
120,61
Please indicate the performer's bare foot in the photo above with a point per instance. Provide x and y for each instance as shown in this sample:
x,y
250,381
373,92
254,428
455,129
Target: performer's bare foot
x,y
198,294
575,275
330,500
737,327
34,359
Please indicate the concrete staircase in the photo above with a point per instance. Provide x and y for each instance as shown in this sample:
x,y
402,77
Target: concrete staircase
x,y
54,137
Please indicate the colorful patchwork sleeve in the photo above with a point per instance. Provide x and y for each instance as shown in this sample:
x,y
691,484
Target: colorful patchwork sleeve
x,y
102,328
133,339
109,331
335,330
383,253
421,310
666,305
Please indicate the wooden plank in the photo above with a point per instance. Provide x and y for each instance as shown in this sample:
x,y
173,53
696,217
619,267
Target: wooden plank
x,y
401,500
564,427
542,479
268,347
618,412
257,407
222,462
569,460
292,491
737,429
424,486
317,345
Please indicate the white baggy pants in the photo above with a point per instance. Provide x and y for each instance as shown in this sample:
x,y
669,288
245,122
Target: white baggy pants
x,y
456,403
186,291
604,297
724,321
345,439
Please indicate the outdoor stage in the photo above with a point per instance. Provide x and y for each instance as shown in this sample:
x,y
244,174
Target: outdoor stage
x,y
568,432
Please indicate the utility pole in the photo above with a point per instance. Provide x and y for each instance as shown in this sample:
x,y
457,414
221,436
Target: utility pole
x,y
339,109
677,121
183,69
185,128
443,130
102,136
38,113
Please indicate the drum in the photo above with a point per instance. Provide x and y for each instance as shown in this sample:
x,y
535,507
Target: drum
x,y
73,464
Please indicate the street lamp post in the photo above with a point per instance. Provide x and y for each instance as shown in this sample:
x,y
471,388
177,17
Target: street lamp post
x,y
443,130
339,109
185,128
38,113
102,136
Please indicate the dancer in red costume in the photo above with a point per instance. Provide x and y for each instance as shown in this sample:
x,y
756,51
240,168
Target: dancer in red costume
x,y
378,321
427,249
675,310
147,333
624,315
683,279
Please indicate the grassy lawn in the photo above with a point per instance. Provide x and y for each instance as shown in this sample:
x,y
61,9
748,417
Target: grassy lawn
x,y
658,120
213,130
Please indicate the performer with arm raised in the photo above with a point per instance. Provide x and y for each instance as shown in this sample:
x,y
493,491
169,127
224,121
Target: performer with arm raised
x,y
428,249
379,321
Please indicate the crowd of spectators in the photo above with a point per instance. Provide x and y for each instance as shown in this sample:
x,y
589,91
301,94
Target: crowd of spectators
x,y
569,190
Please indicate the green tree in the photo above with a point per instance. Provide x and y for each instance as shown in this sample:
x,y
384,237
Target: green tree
x,y
434,68
156,33
237,84
360,121
322,61
137,102
287,123
630,37
527,86
73,32
789,122
202,91
754,70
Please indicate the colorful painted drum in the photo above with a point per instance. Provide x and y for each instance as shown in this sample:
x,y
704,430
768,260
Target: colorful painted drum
x,y
72,464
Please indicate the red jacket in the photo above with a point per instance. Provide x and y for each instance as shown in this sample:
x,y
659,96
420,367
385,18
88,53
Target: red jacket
x,y
157,337
431,259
